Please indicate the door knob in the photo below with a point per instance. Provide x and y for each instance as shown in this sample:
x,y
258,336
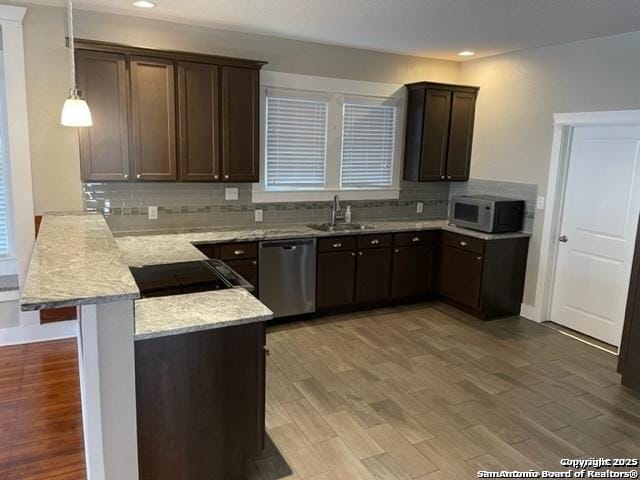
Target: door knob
x,y
563,239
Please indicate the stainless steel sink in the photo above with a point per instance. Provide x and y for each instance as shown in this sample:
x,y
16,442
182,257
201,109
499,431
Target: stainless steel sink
x,y
340,227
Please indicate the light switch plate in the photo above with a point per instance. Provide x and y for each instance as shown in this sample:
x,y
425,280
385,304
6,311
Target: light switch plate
x,y
153,213
420,207
258,215
230,193
540,203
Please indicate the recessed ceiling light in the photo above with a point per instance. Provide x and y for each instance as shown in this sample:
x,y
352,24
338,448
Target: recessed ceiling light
x,y
466,53
144,4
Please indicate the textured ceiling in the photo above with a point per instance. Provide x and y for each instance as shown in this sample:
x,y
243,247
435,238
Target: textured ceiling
x,y
429,28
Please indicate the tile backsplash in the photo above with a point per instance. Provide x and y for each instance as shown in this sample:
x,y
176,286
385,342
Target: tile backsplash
x,y
521,191
183,206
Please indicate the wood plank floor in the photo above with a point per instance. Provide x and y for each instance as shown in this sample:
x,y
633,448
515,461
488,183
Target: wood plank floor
x,y
40,412
427,392
417,392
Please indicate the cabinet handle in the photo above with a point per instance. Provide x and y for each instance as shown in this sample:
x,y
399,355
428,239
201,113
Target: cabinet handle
x,y
255,262
463,243
337,245
126,176
216,176
375,241
238,252
415,239
442,177
449,177
360,253
138,176
479,257
226,177
353,254
396,250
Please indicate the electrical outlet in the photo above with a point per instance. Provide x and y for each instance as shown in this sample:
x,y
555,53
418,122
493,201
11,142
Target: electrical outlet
x,y
153,213
231,194
258,215
540,203
420,207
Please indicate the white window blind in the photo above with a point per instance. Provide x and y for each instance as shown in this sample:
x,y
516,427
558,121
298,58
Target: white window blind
x,y
368,133
4,208
296,143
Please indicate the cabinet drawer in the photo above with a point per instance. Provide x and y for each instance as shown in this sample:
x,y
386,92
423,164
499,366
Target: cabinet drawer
x,y
336,244
233,251
464,242
406,239
374,241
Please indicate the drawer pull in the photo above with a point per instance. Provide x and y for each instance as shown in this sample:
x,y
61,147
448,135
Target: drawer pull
x,y
238,252
396,250
375,241
415,239
360,253
255,262
463,243
353,254
479,257
337,245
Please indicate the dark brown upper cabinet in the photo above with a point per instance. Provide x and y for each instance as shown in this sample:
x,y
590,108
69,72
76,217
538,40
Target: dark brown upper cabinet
x,y
167,115
240,125
153,118
438,132
199,119
104,147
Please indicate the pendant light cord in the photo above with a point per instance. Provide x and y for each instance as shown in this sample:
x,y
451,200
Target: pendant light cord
x,y
72,60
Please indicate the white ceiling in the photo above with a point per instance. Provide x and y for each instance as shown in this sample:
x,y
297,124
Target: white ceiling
x,y
429,28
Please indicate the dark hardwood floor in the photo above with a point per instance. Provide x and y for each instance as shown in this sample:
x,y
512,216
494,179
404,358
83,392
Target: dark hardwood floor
x,y
415,392
40,412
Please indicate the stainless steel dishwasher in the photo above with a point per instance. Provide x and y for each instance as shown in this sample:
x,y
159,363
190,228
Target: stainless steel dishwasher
x,y
287,276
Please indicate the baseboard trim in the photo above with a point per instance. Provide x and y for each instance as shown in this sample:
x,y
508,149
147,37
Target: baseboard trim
x,y
528,312
38,333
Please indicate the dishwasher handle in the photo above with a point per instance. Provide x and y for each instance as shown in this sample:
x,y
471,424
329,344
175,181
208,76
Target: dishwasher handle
x,y
287,244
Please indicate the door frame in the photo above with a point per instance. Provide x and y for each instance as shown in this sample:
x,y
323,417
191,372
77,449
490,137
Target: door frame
x,y
564,125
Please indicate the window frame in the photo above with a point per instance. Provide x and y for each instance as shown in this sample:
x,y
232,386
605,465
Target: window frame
x,y
337,91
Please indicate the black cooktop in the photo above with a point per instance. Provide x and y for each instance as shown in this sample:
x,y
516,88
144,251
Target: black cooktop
x,y
186,277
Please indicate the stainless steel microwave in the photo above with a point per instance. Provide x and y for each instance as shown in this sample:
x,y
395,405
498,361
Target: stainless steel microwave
x,y
487,213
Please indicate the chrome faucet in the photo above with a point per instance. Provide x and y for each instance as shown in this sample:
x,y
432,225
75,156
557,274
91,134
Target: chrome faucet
x,y
336,213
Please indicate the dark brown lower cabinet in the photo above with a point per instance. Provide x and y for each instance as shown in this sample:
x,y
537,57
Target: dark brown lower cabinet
x,y
200,403
629,355
248,269
373,275
460,276
485,278
335,279
412,271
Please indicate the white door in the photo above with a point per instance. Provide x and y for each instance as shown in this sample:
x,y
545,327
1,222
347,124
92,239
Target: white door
x,y
599,220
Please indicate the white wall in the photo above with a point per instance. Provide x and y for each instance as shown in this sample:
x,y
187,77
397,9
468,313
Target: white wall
x,y
519,92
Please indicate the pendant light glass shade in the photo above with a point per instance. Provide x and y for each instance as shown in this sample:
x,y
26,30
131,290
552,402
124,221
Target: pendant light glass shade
x,y
75,111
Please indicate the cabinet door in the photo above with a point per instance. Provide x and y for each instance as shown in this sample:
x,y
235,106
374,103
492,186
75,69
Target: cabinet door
x,y
198,105
412,272
435,135
373,275
104,147
153,115
248,269
460,276
336,272
463,108
240,124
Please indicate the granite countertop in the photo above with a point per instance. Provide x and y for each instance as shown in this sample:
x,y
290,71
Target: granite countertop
x,y
173,315
76,261
141,250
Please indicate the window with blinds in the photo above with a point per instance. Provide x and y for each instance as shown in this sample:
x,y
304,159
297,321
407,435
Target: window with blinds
x,y
5,246
368,133
296,143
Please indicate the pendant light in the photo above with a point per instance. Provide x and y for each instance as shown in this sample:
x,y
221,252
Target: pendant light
x,y
75,111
